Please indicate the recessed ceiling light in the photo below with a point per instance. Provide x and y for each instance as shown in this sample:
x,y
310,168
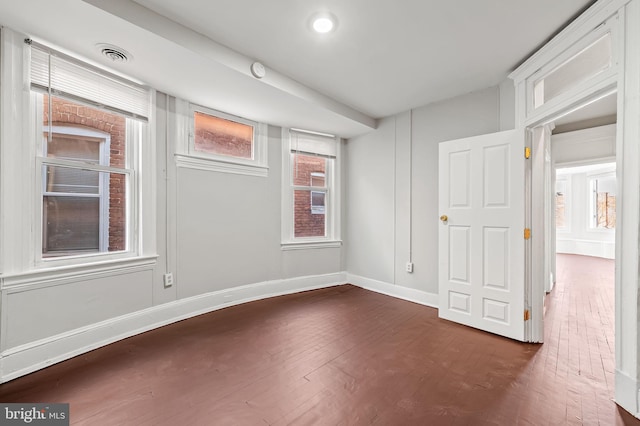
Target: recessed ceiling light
x,y
323,23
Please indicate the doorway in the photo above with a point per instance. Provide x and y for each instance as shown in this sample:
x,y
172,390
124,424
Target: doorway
x,y
576,186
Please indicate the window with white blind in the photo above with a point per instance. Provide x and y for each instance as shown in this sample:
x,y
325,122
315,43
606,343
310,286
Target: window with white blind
x,y
89,126
310,189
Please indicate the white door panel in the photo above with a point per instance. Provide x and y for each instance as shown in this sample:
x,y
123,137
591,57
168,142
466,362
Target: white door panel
x,y
481,264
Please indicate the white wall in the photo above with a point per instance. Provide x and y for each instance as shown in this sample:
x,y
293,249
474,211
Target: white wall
x,y
583,149
578,237
392,192
218,233
587,146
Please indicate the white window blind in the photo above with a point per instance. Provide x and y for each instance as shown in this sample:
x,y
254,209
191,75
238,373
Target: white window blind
x,y
61,75
313,144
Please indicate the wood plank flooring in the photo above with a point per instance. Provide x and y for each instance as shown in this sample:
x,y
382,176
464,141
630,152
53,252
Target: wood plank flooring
x,y
347,356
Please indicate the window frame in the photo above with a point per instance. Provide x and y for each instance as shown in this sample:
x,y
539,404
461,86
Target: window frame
x,y
331,190
318,209
134,135
531,111
94,136
187,156
20,219
592,200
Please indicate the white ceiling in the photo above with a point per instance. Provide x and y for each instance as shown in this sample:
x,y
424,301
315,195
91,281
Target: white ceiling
x,y
384,58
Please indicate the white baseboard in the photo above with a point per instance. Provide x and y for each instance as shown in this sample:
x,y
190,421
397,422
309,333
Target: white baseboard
x,y
627,393
25,359
406,293
604,249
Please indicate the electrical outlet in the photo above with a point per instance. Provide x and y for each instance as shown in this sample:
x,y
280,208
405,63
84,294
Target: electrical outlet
x,y
168,279
409,267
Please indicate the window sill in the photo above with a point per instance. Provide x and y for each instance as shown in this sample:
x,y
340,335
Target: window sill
x,y
215,165
57,275
310,245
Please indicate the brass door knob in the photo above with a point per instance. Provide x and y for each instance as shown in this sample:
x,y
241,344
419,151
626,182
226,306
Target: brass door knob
x,y
444,218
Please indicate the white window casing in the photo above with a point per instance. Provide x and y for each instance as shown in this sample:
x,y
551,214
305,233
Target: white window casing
x,y
188,156
320,145
25,77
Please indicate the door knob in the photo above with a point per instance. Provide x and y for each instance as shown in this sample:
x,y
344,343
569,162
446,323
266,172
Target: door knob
x,y
444,218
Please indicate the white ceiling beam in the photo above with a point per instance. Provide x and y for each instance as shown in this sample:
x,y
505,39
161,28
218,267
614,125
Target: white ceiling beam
x,y
198,43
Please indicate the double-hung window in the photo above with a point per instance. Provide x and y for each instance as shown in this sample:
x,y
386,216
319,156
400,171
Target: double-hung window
x,y
310,190
89,125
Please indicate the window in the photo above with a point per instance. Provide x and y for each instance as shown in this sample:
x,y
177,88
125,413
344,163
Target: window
x,y
603,201
561,203
318,197
592,59
78,202
584,65
218,136
88,128
221,142
310,188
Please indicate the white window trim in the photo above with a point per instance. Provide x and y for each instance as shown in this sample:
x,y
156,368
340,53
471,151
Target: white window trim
x,y
134,138
332,202
20,219
188,157
602,77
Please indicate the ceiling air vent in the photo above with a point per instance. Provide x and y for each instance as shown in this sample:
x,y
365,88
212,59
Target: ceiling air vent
x,y
114,53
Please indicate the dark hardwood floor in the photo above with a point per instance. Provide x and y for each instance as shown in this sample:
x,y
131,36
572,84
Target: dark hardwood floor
x,y
343,356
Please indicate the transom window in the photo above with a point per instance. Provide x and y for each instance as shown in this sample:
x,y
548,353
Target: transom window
x,y
221,142
584,65
220,136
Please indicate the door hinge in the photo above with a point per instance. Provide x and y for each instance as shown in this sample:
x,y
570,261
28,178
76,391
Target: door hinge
x,y
527,152
527,233
527,315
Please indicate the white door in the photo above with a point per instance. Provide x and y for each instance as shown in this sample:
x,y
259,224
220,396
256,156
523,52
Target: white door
x,y
481,235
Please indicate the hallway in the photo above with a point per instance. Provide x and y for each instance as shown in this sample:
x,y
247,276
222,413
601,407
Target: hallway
x,y
575,368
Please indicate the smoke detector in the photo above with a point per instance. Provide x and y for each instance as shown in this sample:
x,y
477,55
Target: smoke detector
x,y
114,53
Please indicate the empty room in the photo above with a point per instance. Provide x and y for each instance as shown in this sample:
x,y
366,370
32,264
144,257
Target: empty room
x,y
330,213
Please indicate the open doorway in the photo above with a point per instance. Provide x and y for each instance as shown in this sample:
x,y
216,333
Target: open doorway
x,y
575,173
582,176
578,177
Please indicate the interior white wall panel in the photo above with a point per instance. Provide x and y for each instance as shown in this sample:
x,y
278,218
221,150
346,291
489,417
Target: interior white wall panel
x,y
370,203
39,313
392,188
